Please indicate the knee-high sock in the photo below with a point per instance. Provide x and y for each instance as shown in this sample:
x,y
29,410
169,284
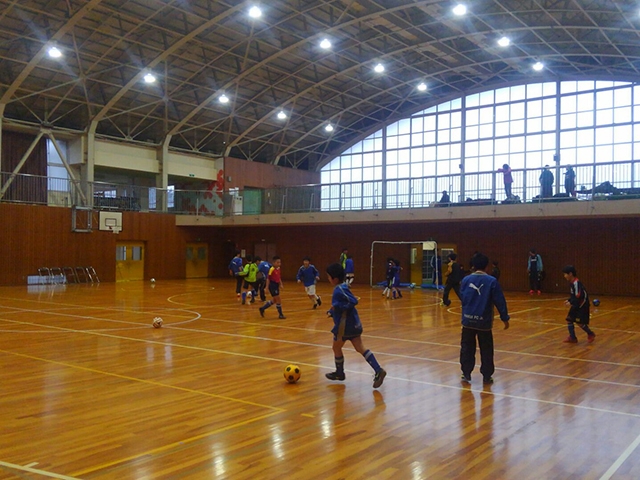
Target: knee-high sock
x,y
572,330
339,364
371,360
586,329
279,307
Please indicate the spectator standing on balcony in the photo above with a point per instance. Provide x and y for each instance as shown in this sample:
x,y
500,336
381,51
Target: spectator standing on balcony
x,y
445,197
508,179
546,182
570,181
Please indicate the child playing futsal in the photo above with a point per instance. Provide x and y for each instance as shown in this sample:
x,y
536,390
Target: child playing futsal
x,y
347,326
274,284
579,311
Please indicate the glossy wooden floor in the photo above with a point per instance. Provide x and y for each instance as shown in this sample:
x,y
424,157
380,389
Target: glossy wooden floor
x,y
90,390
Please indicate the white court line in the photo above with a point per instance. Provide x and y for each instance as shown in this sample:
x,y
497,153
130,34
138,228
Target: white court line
x,y
621,459
44,473
260,357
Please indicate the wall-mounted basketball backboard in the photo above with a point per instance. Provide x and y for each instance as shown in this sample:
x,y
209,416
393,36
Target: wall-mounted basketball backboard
x,y
111,221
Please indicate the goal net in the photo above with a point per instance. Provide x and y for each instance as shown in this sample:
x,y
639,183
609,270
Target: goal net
x,y
415,258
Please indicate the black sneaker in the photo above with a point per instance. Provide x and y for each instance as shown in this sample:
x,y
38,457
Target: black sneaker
x,y
465,378
319,301
487,381
378,378
261,312
253,299
244,301
315,305
335,376
282,317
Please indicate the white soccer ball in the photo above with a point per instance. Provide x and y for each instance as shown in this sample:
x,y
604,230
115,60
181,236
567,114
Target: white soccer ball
x,y
412,285
153,280
157,322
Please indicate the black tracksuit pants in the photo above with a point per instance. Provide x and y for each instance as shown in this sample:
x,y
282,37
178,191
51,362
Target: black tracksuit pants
x,y
468,351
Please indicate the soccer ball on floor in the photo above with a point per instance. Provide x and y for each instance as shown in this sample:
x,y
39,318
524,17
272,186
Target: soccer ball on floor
x,y
292,373
412,285
157,322
153,280
596,302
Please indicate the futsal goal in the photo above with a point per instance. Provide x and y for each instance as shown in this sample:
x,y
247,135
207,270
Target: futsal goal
x,y
415,259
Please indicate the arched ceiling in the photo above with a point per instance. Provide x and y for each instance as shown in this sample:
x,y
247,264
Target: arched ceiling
x,y
199,49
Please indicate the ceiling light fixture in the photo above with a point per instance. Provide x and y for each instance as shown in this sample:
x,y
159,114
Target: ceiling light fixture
x,y
329,128
282,115
54,52
422,87
379,68
149,78
538,66
504,42
325,44
255,12
459,9
223,98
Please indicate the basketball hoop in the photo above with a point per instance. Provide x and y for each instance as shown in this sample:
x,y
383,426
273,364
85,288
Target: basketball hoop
x,y
115,229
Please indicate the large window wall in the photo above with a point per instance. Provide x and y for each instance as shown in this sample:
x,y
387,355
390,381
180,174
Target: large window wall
x,y
458,146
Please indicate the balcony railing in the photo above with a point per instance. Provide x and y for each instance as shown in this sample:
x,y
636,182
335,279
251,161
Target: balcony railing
x,y
600,181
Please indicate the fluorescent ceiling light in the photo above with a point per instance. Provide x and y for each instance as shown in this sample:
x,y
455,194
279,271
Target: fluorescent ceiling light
x,y
538,66
329,128
282,115
379,68
223,98
422,87
325,43
504,42
459,9
149,78
54,52
255,12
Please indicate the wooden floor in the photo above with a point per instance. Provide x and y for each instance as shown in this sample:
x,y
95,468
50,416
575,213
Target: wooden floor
x,y
90,390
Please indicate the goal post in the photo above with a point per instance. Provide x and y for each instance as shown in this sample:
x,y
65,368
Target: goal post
x,y
414,255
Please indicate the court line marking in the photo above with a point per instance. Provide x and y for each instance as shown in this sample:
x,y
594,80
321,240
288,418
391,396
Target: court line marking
x,y
27,468
140,380
278,326
169,446
259,357
621,459
324,346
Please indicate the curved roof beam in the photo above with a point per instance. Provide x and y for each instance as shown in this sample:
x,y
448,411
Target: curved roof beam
x,y
282,52
163,56
26,71
368,99
346,71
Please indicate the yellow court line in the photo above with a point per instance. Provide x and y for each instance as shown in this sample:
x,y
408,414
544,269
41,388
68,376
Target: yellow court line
x,y
148,382
169,446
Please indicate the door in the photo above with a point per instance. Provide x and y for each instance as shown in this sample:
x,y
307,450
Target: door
x,y
264,250
129,261
197,260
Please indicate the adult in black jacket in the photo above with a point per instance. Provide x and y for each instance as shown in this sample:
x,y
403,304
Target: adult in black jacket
x,y
456,273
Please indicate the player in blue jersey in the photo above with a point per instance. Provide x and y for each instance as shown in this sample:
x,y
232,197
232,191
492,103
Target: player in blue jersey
x,y
308,275
347,327
349,269
235,269
263,273
479,293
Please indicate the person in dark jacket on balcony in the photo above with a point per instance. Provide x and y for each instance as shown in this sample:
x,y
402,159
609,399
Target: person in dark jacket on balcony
x,y
480,293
